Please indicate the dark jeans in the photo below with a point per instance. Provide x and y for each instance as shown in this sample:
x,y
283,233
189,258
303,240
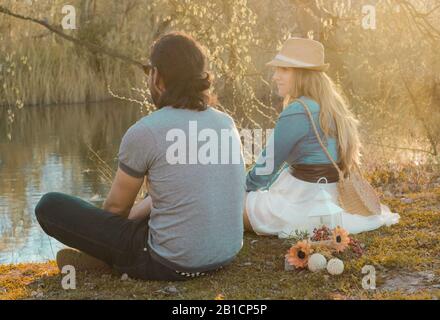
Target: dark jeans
x,y
119,242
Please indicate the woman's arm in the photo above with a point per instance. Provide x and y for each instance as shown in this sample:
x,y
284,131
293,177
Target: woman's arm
x,y
141,210
288,131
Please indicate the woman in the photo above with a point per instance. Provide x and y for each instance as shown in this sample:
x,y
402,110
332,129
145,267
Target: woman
x,y
280,202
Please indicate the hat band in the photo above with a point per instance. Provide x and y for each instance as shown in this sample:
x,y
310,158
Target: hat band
x,y
293,61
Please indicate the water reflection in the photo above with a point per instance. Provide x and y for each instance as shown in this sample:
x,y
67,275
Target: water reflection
x,y
49,152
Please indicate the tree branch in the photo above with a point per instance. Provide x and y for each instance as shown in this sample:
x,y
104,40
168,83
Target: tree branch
x,y
421,20
400,148
413,99
89,46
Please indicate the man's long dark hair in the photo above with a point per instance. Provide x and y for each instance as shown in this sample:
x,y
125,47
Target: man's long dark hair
x,y
181,62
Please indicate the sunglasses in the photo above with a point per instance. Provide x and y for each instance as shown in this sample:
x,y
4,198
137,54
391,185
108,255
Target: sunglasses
x,y
147,68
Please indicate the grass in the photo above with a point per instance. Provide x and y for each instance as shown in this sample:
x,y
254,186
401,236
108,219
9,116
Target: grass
x,y
406,258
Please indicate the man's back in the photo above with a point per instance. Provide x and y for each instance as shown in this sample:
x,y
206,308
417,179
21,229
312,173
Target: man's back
x,y
196,180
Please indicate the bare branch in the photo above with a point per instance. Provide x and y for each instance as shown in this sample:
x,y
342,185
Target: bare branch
x,y
399,148
90,46
421,19
413,99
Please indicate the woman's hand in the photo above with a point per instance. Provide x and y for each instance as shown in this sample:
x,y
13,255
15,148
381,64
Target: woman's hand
x,y
141,210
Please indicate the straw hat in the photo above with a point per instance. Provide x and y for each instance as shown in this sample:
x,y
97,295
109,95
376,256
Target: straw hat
x,y
301,53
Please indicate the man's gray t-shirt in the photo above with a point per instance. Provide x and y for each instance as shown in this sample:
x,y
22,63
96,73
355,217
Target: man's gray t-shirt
x,y
196,174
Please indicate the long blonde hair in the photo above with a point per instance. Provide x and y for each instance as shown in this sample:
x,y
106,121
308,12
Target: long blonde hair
x,y
335,118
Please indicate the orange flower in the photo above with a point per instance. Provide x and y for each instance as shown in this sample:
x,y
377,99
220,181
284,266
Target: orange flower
x,y
298,254
340,238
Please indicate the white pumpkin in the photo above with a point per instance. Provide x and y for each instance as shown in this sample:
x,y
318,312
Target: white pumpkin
x,y
316,262
335,266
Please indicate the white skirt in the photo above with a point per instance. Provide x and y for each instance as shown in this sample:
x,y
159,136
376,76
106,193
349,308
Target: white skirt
x,y
285,207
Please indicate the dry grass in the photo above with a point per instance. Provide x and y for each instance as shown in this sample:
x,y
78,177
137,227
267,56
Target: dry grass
x,y
406,257
57,74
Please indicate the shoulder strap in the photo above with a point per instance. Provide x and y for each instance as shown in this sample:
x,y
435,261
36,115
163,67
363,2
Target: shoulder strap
x,y
309,114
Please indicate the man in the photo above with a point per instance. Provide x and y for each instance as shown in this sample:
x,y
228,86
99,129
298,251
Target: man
x,y
191,222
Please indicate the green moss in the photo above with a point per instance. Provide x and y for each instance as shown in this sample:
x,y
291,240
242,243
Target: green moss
x,y
258,272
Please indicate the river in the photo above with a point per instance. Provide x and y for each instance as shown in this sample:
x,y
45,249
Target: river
x,y
49,152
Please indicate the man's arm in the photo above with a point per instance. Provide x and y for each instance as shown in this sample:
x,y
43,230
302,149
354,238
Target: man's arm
x,y
123,193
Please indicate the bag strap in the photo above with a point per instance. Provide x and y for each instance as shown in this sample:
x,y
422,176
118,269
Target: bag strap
x,y
309,114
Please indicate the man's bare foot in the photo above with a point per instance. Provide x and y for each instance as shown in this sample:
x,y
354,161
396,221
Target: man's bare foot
x,y
81,261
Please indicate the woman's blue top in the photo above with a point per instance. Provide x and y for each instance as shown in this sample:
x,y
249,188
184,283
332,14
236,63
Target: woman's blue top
x,y
293,141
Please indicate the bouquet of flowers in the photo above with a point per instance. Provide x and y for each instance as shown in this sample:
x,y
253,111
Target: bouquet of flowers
x,y
324,243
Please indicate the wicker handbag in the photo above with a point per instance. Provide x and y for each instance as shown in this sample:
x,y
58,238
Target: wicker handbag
x,y
356,195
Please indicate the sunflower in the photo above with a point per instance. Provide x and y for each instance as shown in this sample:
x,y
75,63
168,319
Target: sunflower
x,y
298,254
340,238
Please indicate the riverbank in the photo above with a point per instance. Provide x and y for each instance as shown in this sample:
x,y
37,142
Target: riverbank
x,y
406,258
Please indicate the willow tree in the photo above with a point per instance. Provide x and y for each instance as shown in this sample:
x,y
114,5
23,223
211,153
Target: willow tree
x,y
388,65
390,72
